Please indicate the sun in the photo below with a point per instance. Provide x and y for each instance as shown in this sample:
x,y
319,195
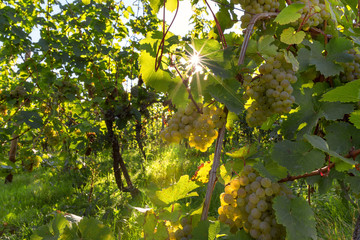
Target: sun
x,y
195,60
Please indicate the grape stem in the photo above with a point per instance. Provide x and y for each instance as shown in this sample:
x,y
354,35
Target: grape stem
x,y
321,171
214,167
249,31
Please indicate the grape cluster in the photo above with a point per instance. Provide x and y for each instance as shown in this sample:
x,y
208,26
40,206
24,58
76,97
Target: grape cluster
x,y
246,203
252,7
270,91
199,128
351,69
182,232
314,13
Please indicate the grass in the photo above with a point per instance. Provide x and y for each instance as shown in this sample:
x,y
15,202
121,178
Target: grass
x,y
335,218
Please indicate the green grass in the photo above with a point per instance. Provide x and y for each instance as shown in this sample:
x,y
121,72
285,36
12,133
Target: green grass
x,y
27,201
335,218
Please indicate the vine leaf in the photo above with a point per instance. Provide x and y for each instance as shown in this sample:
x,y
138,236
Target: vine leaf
x,y
271,169
326,64
182,189
149,224
298,157
310,110
91,228
350,92
178,93
319,143
290,58
226,92
244,152
160,79
53,230
289,14
297,216
290,36
347,132
355,118
266,47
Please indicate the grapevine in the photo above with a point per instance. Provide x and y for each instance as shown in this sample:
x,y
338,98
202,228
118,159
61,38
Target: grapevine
x,y
246,203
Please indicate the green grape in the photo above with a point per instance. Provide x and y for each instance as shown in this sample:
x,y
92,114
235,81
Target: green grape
x,y
199,129
249,207
265,182
271,86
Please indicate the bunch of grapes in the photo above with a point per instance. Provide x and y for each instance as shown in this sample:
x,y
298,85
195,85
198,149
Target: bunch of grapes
x,y
270,91
314,13
182,232
199,128
252,7
351,69
247,203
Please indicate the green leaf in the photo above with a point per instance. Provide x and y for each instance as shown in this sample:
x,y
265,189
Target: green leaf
x,y
290,58
244,152
93,229
226,92
182,189
324,64
355,118
149,224
160,79
224,18
271,170
161,231
290,36
289,14
53,230
354,183
349,135
297,216
298,157
350,92
155,5
319,143
352,4
335,110
86,2
337,50
31,118
201,231
171,5
266,46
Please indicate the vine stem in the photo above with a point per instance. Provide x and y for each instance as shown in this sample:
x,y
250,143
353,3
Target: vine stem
x,y
248,33
185,81
324,170
212,173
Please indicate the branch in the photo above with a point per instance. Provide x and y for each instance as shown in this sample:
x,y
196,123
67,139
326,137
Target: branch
x,y
212,173
184,81
249,30
324,170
